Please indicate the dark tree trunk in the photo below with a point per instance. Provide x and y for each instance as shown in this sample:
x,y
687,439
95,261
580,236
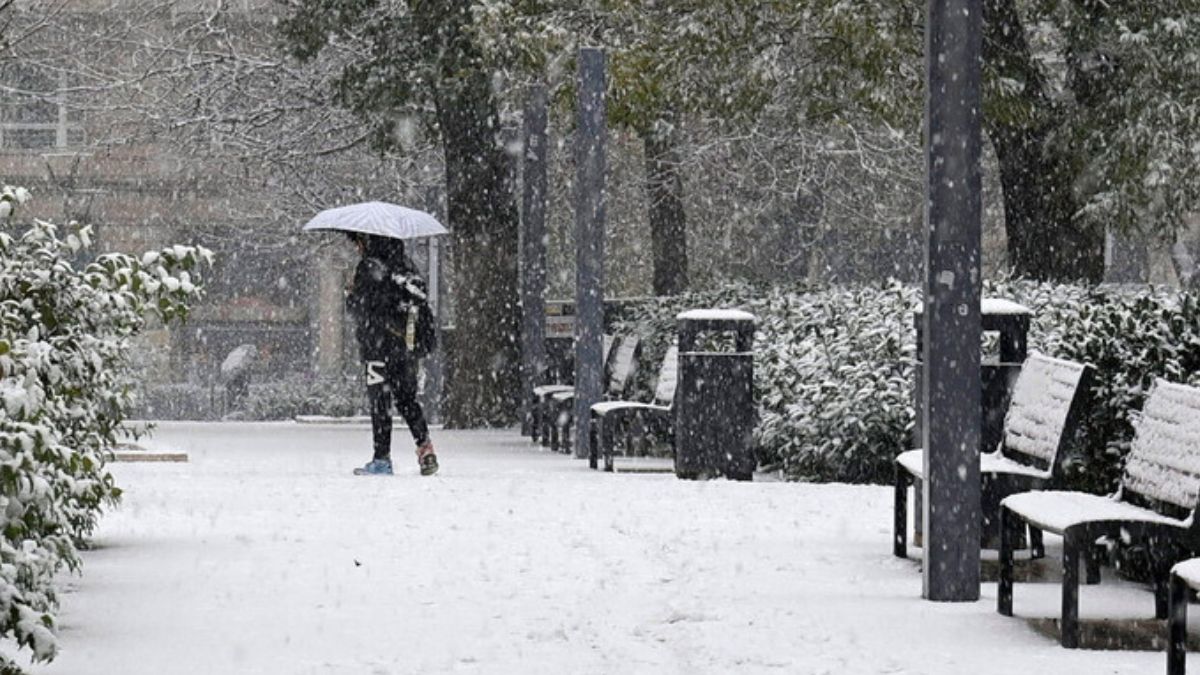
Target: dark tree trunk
x,y
484,349
1045,239
668,222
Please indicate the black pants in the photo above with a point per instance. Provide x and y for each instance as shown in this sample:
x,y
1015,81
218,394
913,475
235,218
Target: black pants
x,y
394,378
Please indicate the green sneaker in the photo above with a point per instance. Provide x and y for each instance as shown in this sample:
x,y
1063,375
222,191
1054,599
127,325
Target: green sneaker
x,y
426,459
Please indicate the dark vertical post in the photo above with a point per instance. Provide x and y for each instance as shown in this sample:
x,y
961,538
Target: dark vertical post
x,y
589,242
533,249
951,349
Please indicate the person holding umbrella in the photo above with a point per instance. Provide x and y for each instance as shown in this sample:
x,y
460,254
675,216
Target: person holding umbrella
x,y
386,287
388,302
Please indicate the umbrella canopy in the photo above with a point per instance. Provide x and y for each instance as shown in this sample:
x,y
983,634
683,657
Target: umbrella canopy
x,y
378,218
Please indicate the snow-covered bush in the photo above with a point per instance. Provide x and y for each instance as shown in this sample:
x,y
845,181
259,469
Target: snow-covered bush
x,y
178,401
1131,339
65,329
305,395
834,378
834,367
832,372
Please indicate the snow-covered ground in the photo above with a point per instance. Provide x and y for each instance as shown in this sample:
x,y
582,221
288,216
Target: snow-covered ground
x,y
264,555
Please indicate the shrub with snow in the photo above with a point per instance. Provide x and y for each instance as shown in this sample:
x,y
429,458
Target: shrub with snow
x,y
65,385
1132,339
832,372
286,398
834,367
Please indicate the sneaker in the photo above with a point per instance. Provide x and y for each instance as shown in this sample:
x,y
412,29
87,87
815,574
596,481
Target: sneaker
x,y
375,467
426,459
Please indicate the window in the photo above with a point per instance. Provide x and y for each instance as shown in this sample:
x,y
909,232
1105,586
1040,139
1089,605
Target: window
x,y
33,110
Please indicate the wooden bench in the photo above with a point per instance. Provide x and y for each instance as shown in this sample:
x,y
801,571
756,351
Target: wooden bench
x,y
538,425
1047,402
653,418
1154,506
559,408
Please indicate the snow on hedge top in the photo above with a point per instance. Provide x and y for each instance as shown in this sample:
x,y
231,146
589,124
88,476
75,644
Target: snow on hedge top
x,y
1164,461
1041,399
715,315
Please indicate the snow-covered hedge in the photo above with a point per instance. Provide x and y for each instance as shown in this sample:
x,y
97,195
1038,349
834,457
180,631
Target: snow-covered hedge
x,y
834,368
1131,339
65,329
831,372
286,398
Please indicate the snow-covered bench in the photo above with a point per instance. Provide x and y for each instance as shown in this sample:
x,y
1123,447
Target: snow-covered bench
x,y
539,428
559,408
1155,505
1047,402
608,416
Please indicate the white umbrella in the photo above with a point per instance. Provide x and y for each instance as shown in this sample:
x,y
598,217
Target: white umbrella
x,y
378,218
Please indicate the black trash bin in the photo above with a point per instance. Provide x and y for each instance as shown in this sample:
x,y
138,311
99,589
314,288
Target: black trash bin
x,y
998,371
1009,322
714,401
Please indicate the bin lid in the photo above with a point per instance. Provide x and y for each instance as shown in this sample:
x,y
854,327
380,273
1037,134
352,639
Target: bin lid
x,y
715,315
992,307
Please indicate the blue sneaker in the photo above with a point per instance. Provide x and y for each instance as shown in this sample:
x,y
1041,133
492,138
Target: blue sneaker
x,y
375,467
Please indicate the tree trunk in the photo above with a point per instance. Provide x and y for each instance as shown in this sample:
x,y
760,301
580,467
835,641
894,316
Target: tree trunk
x,y
484,351
668,222
1045,238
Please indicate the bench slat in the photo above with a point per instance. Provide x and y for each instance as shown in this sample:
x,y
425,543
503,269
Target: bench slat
x,y
1056,510
1041,404
1164,460
668,378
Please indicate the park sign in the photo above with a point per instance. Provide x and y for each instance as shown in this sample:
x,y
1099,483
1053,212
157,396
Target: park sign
x,y
560,319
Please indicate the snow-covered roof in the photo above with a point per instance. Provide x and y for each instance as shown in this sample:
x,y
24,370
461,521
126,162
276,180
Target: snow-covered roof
x,y
716,315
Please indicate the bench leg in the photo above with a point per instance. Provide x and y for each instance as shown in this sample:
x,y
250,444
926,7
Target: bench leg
x,y
1162,593
900,514
1073,545
606,446
1004,591
1177,628
534,426
593,432
1037,548
1095,555
545,422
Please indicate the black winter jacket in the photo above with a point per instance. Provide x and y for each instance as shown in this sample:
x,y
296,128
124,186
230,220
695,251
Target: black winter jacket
x,y
382,291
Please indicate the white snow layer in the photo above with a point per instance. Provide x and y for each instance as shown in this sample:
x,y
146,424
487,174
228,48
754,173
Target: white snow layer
x,y
715,315
990,306
1002,306
263,555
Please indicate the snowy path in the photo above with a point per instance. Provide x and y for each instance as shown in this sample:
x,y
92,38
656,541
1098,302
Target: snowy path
x,y
263,555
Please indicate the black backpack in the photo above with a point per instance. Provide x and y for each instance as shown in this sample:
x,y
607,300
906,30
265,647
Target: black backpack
x,y
414,321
